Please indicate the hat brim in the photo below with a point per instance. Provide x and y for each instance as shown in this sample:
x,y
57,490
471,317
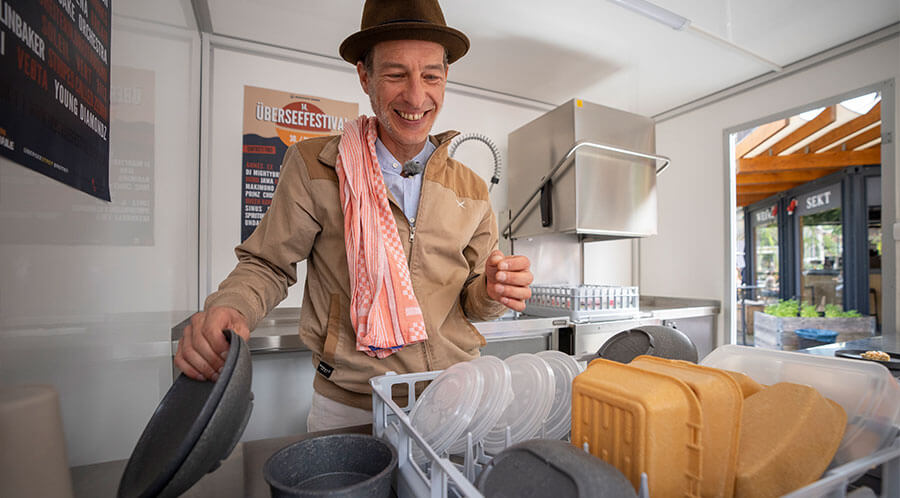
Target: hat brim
x,y
355,46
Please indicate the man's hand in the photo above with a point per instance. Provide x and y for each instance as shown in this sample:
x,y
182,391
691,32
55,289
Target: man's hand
x,y
203,347
508,279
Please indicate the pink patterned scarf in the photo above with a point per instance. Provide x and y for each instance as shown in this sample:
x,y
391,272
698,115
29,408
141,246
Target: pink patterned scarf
x,y
383,308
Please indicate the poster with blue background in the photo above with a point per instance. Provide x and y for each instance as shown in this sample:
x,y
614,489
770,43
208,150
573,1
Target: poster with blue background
x,y
54,89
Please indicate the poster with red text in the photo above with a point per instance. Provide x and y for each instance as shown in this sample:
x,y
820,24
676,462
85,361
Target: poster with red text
x,y
273,121
54,89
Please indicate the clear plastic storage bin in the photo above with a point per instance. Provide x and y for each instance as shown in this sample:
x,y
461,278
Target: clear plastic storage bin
x,y
867,391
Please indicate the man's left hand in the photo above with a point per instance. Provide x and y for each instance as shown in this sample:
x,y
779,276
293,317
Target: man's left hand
x,y
508,279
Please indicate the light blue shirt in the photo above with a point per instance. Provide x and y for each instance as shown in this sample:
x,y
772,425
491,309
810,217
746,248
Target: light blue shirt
x,y
405,190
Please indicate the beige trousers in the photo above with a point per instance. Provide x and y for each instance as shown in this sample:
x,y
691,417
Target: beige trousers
x,y
325,414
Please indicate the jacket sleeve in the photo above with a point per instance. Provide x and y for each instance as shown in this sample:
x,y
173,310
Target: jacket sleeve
x,y
267,260
476,302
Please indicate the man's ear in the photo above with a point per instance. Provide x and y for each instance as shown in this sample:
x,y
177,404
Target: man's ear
x,y
363,76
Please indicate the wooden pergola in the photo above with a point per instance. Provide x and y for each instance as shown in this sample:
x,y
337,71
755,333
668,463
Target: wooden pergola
x,y
783,154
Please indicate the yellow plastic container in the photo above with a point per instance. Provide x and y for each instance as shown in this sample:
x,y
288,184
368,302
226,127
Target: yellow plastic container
x,y
640,422
721,402
749,387
790,434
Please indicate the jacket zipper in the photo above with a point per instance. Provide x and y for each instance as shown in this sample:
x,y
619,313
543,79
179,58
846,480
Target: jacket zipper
x,y
412,235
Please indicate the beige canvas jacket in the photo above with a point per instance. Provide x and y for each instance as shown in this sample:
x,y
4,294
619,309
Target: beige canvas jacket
x,y
455,231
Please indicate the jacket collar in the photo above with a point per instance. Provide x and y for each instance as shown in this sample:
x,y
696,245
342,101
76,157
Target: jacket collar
x,y
328,154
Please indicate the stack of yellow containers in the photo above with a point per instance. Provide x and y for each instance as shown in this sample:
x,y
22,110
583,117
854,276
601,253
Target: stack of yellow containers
x,y
686,427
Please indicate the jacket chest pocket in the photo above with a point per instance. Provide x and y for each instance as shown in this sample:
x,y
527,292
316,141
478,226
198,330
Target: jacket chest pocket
x,y
449,228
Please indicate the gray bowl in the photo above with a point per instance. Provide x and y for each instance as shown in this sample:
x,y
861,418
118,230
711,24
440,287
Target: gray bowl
x,y
543,467
195,427
653,340
339,465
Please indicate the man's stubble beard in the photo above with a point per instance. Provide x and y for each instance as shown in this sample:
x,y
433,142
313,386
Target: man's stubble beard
x,y
384,125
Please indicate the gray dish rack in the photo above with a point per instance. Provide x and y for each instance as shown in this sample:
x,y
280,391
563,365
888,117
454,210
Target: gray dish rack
x,y
583,302
439,477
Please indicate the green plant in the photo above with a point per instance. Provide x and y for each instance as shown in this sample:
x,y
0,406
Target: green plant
x,y
783,308
791,307
808,311
835,311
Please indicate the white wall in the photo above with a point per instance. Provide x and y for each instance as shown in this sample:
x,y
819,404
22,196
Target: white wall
x,y
235,64
85,307
689,257
46,275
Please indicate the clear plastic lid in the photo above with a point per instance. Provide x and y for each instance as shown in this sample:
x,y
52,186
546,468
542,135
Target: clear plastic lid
x,y
868,392
445,408
565,368
496,397
533,387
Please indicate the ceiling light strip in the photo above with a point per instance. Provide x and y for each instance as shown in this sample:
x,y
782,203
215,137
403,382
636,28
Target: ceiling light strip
x,y
680,23
655,12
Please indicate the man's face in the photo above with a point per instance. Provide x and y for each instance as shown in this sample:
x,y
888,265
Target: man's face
x,y
406,88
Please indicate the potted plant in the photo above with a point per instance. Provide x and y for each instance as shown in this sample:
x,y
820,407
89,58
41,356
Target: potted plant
x,y
774,327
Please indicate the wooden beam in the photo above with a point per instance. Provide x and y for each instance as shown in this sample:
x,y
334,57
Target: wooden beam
x,y
767,188
759,135
825,118
861,139
848,128
745,199
830,159
783,176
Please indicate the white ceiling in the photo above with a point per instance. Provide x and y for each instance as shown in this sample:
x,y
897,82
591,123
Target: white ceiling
x,y
591,49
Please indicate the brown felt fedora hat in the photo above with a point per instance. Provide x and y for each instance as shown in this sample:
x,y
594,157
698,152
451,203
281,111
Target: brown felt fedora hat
x,y
384,20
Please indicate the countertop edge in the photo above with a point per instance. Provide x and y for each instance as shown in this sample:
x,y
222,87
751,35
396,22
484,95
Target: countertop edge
x,y
284,336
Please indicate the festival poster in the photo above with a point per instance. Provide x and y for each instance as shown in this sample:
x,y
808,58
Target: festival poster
x,y
273,121
54,89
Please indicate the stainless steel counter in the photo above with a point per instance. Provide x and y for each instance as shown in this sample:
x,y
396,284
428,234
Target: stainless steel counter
x,y
673,308
277,332
695,317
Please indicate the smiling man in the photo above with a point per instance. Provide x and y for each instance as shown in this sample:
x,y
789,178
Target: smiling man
x,y
405,81
400,240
